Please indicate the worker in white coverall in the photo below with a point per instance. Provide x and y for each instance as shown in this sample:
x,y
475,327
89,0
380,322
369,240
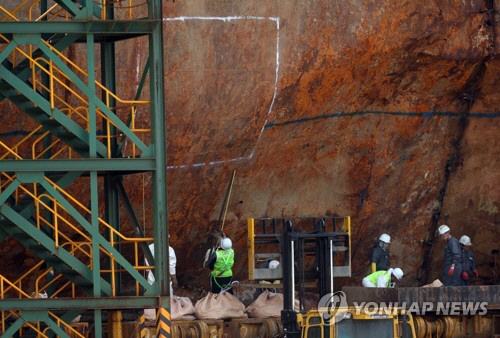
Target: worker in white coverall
x,y
383,279
172,260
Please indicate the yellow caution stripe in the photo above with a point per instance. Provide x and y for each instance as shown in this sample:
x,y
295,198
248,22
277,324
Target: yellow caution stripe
x,y
163,323
142,327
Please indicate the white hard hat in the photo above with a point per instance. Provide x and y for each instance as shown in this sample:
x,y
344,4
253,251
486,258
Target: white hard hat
x,y
465,240
274,264
443,229
398,273
226,243
385,238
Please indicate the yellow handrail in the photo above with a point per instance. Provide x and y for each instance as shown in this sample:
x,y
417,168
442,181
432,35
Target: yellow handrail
x,y
69,327
62,56
62,234
19,280
131,102
37,62
103,13
46,13
113,230
74,246
56,230
18,144
57,216
9,14
10,150
17,9
4,280
100,85
52,77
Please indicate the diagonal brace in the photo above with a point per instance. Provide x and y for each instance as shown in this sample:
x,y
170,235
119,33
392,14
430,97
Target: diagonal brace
x,y
130,210
6,52
8,191
13,328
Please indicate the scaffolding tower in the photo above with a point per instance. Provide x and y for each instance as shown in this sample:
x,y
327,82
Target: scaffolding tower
x,y
86,136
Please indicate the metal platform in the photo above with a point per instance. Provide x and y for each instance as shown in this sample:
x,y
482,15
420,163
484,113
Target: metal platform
x,y
489,294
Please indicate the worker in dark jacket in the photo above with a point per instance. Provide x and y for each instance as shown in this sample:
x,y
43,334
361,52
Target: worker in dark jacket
x,y
221,263
452,269
468,264
379,258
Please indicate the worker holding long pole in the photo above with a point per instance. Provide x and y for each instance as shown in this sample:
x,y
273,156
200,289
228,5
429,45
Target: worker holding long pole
x,y
219,258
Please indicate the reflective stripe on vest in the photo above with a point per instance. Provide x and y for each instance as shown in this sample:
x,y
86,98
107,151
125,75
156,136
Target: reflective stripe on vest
x,y
224,263
374,277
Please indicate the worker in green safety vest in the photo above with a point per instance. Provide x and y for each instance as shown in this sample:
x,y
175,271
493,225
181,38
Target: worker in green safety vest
x,y
383,279
221,264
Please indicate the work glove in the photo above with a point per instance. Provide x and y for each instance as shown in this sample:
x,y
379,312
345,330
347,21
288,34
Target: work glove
x,y
477,275
175,284
465,276
451,271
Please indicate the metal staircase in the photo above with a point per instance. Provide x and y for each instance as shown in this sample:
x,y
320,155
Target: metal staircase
x,y
84,131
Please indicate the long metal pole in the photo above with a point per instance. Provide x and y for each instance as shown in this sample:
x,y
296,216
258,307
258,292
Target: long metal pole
x,y
288,315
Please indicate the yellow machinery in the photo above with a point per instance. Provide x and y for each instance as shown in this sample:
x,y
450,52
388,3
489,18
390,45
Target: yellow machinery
x,y
350,322
311,252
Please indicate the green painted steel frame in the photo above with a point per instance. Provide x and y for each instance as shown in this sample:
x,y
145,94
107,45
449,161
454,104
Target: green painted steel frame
x,y
86,303
90,30
81,164
103,28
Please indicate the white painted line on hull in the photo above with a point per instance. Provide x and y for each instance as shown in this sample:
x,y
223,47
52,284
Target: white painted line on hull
x,y
222,18
228,19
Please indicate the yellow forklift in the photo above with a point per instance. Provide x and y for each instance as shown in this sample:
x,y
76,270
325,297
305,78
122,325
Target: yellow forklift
x,y
312,251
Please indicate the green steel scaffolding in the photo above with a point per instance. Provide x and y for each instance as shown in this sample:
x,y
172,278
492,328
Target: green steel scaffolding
x,y
86,136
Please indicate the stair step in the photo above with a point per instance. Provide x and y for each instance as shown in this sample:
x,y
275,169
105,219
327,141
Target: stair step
x,y
22,102
34,110
18,98
6,88
66,135
80,146
50,123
